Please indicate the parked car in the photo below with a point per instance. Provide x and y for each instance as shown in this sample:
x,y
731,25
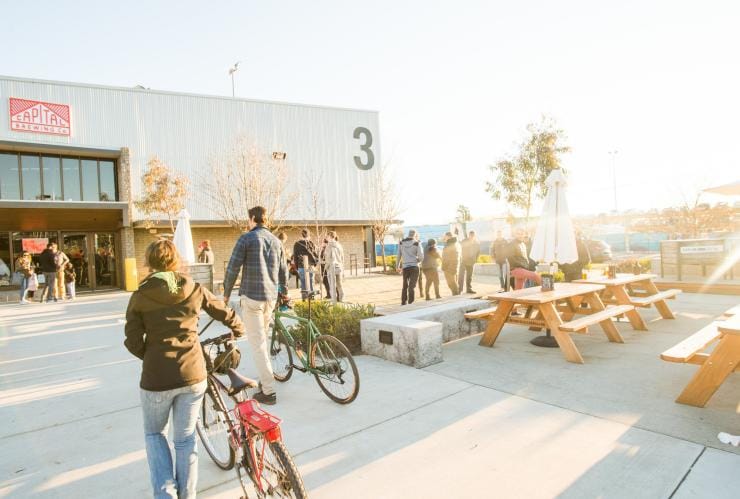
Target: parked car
x,y
600,251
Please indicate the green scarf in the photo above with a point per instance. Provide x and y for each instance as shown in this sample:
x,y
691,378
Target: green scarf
x,y
170,278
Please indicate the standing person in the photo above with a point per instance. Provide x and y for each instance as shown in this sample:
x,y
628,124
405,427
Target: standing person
x,y
69,280
573,271
304,247
334,253
322,268
161,330
430,268
60,260
470,253
498,254
206,254
519,261
409,257
451,257
24,265
259,256
49,269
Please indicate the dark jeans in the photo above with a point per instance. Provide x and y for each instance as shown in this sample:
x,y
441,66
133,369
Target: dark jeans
x,y
410,276
501,276
421,284
432,277
50,280
466,274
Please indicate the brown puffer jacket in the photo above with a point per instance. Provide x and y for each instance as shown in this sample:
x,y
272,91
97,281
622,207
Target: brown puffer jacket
x,y
161,329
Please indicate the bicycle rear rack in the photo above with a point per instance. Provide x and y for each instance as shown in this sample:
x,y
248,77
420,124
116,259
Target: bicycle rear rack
x,y
250,413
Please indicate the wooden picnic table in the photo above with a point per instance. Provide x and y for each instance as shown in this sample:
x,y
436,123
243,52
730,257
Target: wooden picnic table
x,y
637,290
715,367
553,315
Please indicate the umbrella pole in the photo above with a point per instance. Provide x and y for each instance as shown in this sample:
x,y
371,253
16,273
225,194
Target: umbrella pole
x,y
549,341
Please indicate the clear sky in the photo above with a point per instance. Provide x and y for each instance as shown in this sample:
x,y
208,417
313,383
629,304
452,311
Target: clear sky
x,y
455,82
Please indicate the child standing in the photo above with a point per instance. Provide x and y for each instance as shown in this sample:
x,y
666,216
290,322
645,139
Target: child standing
x,y
69,280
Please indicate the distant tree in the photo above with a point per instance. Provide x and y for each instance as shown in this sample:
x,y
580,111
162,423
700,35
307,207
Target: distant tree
x,y
246,176
164,192
692,219
520,178
463,217
382,204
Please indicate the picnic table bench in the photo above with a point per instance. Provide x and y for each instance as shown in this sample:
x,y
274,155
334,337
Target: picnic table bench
x,y
715,366
637,290
549,314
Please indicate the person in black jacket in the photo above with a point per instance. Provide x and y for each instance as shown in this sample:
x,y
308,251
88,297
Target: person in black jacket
x,y
519,261
573,271
48,267
304,251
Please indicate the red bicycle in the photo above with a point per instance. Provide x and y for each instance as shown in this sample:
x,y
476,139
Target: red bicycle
x,y
237,432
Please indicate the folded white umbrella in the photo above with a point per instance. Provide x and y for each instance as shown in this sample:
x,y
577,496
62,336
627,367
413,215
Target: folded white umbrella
x,y
555,239
731,189
184,238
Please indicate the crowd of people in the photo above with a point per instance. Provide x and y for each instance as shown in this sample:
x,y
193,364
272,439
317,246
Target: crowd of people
x,y
58,276
416,263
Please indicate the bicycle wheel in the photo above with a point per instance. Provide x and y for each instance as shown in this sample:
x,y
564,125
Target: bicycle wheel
x,y
214,426
280,356
334,369
273,472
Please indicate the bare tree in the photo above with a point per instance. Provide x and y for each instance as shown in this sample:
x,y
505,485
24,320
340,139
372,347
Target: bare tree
x,y
246,176
164,192
383,206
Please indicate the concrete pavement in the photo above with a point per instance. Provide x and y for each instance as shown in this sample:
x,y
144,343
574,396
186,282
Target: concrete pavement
x,y
511,421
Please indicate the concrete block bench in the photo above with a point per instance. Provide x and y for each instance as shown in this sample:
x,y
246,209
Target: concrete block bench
x,y
402,339
415,337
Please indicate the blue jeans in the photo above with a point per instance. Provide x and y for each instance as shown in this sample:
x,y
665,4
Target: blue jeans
x,y
184,403
302,276
24,287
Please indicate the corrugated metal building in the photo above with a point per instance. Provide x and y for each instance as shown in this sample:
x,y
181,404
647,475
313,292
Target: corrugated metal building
x,y
72,156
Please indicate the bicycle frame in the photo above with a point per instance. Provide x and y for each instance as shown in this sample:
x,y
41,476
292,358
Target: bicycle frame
x,y
313,333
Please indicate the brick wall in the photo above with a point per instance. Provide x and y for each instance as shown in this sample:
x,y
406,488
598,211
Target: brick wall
x,y
223,240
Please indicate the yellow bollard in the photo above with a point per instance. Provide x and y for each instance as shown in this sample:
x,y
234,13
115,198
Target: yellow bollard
x,y
131,274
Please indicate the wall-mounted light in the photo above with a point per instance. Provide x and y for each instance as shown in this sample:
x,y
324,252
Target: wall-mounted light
x,y
279,155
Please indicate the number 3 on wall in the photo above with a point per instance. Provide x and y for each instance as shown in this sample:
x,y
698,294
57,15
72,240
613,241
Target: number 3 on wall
x,y
361,130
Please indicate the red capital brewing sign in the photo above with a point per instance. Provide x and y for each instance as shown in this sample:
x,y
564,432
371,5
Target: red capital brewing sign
x,y
39,117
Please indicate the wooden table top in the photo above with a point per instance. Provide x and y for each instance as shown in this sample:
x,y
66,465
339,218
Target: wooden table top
x,y
535,295
620,280
730,326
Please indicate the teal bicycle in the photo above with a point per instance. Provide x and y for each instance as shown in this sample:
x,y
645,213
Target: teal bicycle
x,y
322,355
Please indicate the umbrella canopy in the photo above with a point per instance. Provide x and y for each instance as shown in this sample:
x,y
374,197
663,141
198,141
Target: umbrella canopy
x,y
184,238
555,239
731,189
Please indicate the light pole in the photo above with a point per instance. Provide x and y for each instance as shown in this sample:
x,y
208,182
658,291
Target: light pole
x,y
231,73
613,155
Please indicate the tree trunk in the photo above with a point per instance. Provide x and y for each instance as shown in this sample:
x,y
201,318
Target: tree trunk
x,y
382,252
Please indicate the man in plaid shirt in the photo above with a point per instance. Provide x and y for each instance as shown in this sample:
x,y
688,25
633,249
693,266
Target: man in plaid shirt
x,y
258,254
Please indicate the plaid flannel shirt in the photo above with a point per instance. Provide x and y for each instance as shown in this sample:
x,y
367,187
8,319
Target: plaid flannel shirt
x,y
258,254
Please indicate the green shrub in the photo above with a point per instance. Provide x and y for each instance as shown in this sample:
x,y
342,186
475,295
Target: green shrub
x,y
484,259
390,260
341,320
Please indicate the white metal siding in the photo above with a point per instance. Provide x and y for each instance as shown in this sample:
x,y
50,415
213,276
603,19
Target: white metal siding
x,y
186,130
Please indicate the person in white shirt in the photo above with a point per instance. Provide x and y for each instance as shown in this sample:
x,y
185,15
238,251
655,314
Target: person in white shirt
x,y
334,255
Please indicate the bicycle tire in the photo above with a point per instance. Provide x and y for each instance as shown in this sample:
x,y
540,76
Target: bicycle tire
x,y
219,418
327,353
288,484
281,357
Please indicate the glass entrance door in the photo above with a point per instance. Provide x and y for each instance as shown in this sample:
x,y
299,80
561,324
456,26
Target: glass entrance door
x,y
77,248
106,269
93,256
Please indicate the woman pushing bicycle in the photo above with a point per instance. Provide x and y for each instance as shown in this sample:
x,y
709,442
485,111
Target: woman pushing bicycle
x,y
161,329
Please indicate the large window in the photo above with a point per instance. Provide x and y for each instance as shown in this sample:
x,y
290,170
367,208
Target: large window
x,y
57,177
51,166
71,176
10,187
31,167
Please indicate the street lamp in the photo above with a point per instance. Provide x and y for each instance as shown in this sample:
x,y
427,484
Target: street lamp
x,y
231,73
613,155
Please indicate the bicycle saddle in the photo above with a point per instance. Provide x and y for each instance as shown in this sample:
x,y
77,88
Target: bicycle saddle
x,y
239,382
